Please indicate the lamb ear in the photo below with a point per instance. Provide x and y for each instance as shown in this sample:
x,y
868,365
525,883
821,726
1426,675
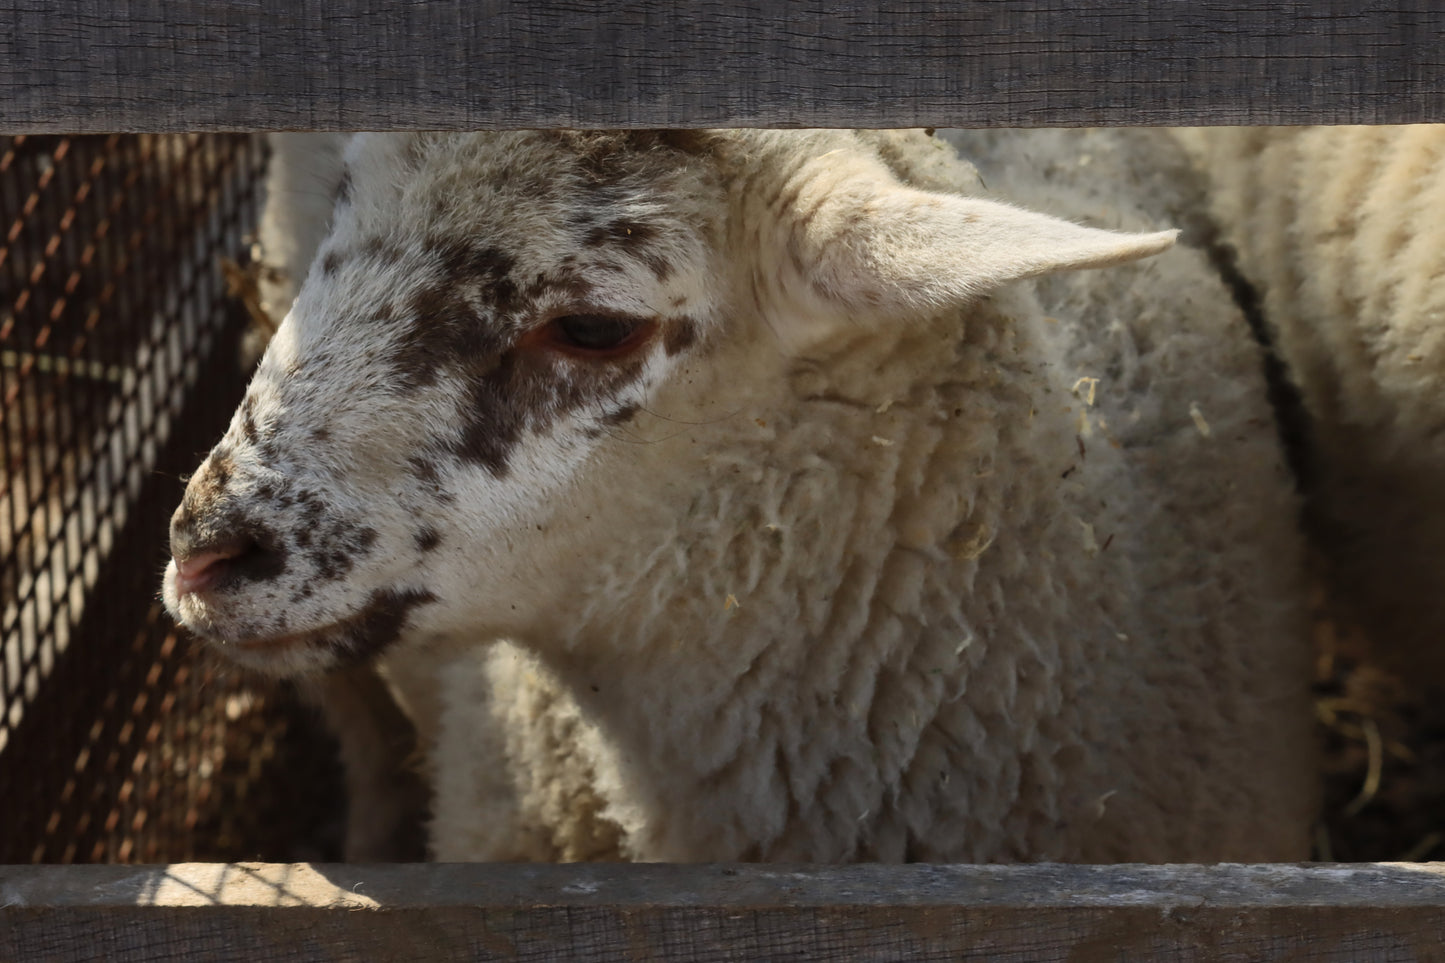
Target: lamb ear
x,y
871,246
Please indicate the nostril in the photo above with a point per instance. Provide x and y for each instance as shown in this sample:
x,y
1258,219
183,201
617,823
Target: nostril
x,y
199,571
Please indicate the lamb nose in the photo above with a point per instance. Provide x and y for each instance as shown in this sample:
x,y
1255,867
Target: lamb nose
x,y
198,571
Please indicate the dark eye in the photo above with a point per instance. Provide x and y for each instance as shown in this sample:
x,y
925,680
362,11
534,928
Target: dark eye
x,y
597,333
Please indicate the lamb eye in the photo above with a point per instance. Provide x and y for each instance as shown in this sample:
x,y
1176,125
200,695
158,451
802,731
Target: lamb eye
x,y
597,333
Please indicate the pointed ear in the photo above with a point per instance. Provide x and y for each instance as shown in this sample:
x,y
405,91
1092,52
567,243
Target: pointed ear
x,y
863,245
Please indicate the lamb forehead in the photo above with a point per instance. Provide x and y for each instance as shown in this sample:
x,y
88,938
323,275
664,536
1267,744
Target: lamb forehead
x,y
516,224
535,193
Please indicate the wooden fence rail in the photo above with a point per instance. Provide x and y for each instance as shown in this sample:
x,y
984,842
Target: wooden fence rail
x,y
246,912
151,65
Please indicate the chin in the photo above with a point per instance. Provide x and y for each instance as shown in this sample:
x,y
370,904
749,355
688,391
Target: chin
x,y
288,656
373,627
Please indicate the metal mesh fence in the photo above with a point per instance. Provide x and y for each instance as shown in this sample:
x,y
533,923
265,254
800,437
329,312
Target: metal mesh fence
x,y
120,741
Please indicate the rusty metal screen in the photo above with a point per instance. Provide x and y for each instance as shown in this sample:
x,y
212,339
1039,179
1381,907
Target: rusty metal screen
x,y
120,362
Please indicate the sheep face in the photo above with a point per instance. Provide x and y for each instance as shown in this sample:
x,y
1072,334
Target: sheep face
x,y
441,433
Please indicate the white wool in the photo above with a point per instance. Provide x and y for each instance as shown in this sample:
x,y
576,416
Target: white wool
x,y
850,572
1335,228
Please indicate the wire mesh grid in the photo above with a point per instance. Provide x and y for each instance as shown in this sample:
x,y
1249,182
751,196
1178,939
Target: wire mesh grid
x,y
120,741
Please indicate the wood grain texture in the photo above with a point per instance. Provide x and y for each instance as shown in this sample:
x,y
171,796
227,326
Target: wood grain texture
x,y
102,65
245,912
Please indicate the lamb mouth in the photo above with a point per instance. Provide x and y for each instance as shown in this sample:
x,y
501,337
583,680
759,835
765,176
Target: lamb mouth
x,y
280,643
257,650
374,627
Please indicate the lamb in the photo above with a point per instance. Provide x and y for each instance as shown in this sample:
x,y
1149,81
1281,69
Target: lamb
x,y
1334,227
732,495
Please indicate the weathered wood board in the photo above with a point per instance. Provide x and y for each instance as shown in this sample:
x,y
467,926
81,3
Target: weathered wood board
x,y
246,912
149,65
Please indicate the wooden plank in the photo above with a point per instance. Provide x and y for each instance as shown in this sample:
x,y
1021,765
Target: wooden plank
x,y
246,912
100,65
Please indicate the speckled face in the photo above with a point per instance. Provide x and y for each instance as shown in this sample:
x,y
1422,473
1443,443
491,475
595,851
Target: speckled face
x,y
487,308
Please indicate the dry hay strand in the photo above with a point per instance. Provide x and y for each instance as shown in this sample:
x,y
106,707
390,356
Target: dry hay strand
x,y
1383,753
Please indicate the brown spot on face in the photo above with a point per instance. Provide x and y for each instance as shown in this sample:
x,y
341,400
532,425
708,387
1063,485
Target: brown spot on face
x,y
427,538
460,261
621,415
448,328
331,263
634,239
248,420
607,159
220,472
379,624
312,510
249,430
312,507
678,335
446,333
343,188
426,470
524,392
338,546
331,563
381,251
